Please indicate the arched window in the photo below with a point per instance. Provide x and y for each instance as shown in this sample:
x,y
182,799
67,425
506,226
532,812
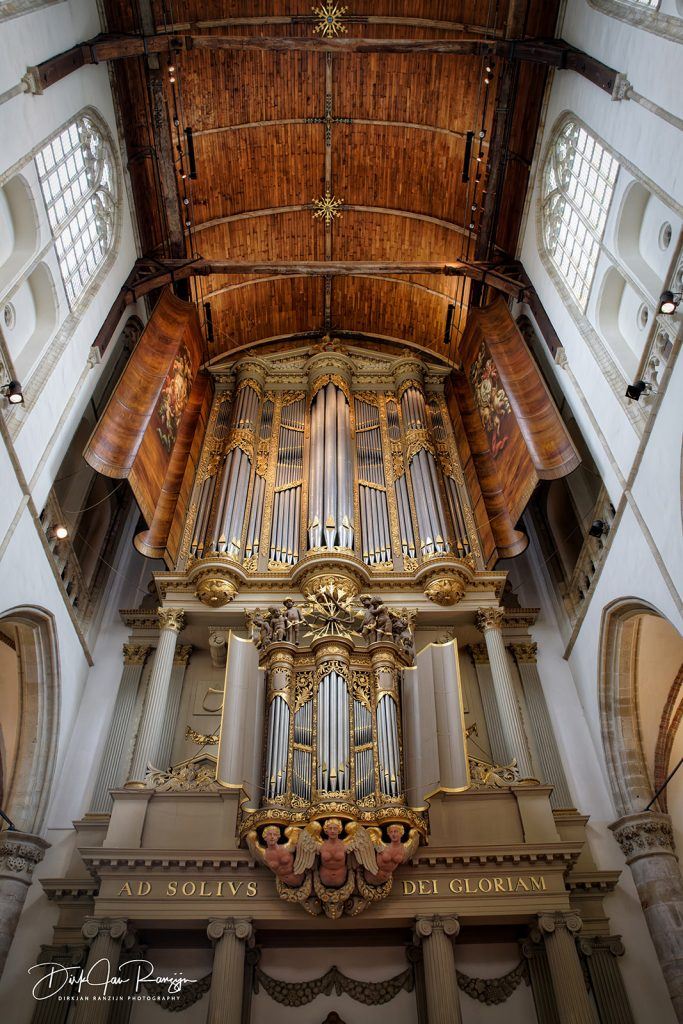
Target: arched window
x,y
76,177
578,183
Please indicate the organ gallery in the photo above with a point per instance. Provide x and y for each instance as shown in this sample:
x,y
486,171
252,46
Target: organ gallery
x,y
340,680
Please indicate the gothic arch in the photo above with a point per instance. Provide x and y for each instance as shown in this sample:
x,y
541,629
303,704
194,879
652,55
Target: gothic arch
x,y
630,777
29,778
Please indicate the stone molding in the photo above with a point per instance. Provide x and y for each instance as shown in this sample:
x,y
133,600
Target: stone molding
x,y
644,835
171,618
19,854
490,618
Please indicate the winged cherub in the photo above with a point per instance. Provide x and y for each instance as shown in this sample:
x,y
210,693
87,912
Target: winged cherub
x,y
277,856
333,850
392,854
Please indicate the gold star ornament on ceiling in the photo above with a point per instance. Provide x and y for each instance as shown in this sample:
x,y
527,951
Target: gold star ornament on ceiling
x,y
327,207
330,18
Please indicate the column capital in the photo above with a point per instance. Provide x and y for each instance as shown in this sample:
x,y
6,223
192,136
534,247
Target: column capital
x,y
489,618
426,926
115,928
524,652
478,653
644,834
135,654
602,944
19,854
550,923
171,618
182,654
241,928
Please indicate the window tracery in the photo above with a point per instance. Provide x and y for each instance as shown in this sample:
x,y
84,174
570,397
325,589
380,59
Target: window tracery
x,y
578,183
75,170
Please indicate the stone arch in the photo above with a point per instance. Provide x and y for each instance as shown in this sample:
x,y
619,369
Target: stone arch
x,y
29,778
631,778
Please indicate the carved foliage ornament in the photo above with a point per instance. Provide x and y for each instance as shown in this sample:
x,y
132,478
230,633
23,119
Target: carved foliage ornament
x,y
215,591
171,618
445,589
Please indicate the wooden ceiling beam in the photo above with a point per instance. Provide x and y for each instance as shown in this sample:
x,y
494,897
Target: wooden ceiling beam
x,y
553,53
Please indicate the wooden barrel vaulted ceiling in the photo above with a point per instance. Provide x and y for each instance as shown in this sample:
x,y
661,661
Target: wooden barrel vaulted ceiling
x,y
273,132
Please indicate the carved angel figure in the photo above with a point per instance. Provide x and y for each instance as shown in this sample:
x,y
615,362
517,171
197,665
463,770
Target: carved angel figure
x,y
333,851
277,856
392,854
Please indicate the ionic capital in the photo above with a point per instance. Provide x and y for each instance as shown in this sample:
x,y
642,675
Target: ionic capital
x,y
171,618
135,654
611,944
550,923
240,928
490,618
645,834
426,926
525,653
115,928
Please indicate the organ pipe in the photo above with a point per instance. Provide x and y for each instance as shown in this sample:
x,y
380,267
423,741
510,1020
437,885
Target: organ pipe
x,y
330,477
333,743
374,513
286,521
277,748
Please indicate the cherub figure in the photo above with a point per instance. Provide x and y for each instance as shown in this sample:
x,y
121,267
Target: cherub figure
x,y
367,626
293,618
383,623
261,632
333,850
277,856
278,624
392,854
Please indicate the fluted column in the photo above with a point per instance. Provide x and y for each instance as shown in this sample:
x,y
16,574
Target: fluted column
x,y
112,768
609,993
171,621
175,691
480,657
48,1009
533,950
19,854
548,751
647,842
106,937
441,980
559,932
230,938
490,622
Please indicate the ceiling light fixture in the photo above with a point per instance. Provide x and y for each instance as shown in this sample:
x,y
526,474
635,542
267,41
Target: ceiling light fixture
x,y
669,302
58,532
639,388
13,392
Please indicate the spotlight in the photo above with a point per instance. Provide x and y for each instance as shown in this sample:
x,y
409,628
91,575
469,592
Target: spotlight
x,y
639,388
598,528
13,392
669,301
171,68
59,532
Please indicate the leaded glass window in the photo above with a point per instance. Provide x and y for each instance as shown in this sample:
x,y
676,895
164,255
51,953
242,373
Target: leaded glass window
x,y
578,183
75,169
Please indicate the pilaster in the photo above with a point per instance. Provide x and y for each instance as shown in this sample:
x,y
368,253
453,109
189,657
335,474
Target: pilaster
x,y
559,933
600,954
230,938
480,658
440,976
175,690
106,937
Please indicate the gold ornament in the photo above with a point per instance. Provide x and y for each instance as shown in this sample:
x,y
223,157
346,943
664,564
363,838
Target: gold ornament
x,y
445,590
330,18
215,591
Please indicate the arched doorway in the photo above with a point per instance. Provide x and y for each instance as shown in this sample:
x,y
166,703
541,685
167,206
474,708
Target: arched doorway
x,y
29,714
640,691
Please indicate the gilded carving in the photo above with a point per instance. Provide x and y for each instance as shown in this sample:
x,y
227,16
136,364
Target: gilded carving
x,y
525,653
445,589
171,618
182,654
490,618
135,654
215,591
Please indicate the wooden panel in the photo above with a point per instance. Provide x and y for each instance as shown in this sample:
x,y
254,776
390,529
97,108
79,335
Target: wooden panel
x,y
147,429
175,533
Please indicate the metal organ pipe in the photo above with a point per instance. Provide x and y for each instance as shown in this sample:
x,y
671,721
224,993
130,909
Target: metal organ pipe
x,y
331,478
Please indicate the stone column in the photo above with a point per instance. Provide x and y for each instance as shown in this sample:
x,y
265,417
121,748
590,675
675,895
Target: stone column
x,y
175,692
171,621
480,657
647,842
106,937
548,751
609,993
441,979
490,622
559,932
19,854
230,937
533,950
52,1010
112,769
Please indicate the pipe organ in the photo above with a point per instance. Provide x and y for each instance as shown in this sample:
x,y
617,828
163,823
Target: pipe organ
x,y
343,464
